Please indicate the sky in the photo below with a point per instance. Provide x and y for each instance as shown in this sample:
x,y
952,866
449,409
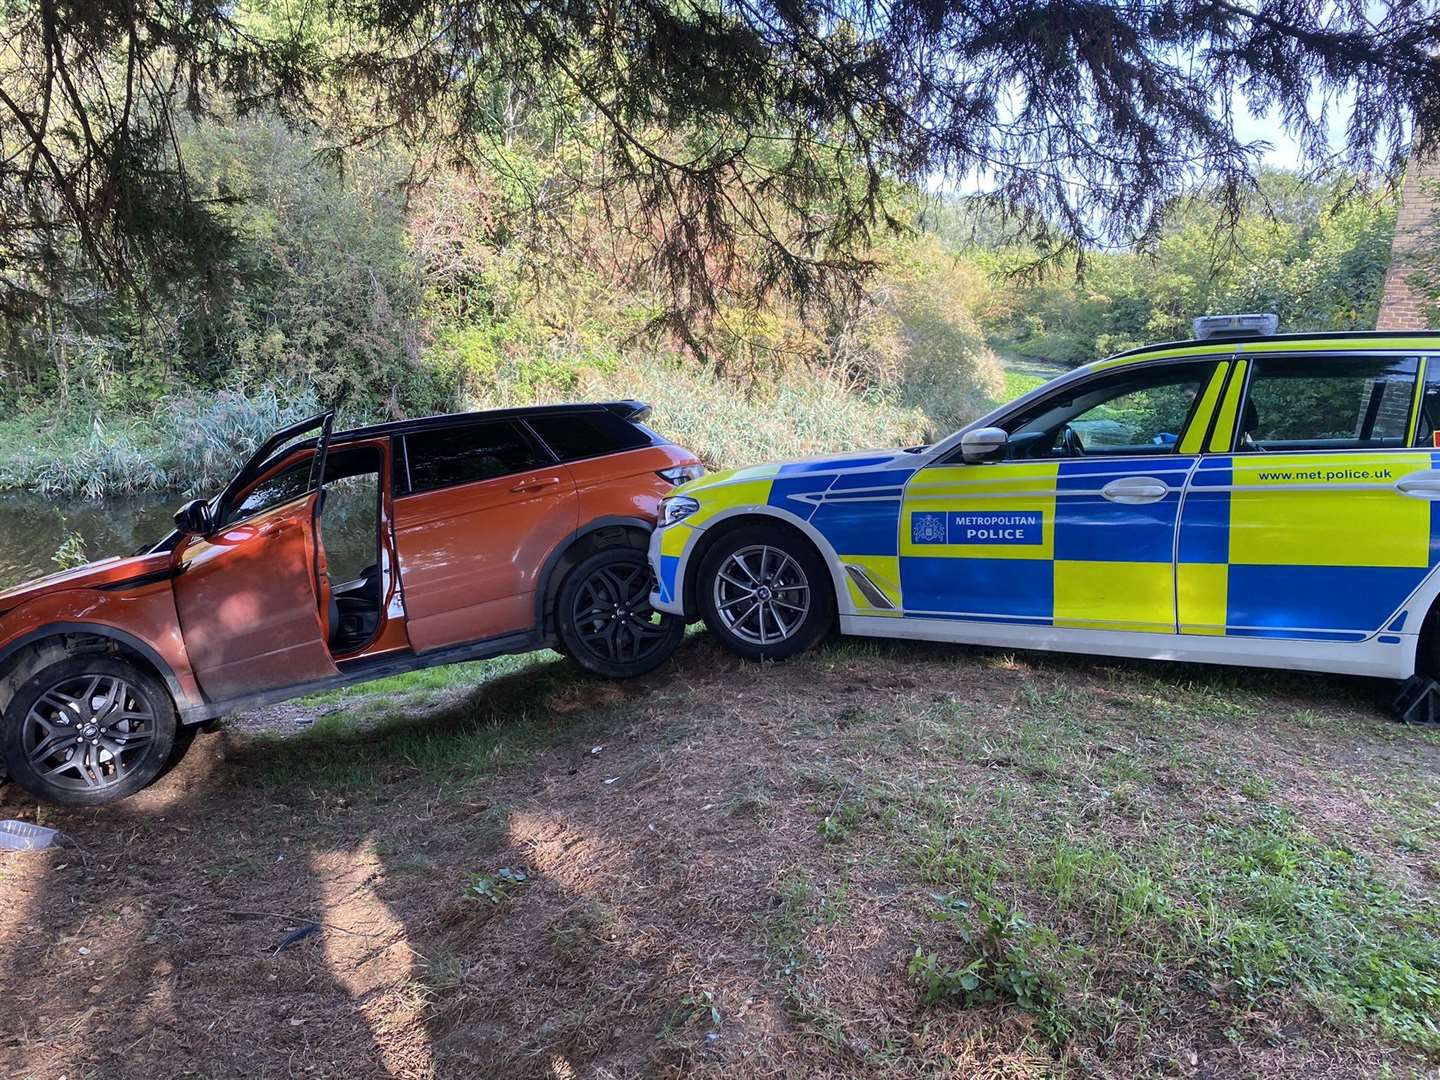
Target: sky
x,y
1284,151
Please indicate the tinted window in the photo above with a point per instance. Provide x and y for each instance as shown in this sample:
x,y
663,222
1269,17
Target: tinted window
x,y
462,455
588,434
1136,412
281,488
1305,403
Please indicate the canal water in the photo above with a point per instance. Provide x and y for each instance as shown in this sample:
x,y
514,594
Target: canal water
x,y
33,528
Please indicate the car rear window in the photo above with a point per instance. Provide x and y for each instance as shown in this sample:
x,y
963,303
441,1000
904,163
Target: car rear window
x,y
588,434
465,454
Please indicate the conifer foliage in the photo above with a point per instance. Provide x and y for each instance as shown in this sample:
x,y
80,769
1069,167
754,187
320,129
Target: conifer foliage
x,y
768,133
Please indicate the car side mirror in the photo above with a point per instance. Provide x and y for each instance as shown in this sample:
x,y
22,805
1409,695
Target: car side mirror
x,y
984,444
194,519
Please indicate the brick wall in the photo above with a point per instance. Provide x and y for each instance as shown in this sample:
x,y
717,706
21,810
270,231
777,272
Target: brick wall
x,y
1400,307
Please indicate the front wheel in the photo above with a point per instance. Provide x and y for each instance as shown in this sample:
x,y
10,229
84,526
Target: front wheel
x,y
765,593
88,731
605,620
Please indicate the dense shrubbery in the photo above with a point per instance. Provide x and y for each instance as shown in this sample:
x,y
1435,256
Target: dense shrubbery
x,y
341,290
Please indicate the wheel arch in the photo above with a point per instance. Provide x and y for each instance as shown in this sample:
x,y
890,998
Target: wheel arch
x,y
729,521
13,655
1420,629
1427,640
602,532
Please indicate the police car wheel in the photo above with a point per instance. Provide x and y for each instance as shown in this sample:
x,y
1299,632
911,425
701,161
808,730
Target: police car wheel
x,y
765,594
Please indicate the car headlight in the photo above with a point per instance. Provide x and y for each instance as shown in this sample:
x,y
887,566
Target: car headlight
x,y
677,508
682,474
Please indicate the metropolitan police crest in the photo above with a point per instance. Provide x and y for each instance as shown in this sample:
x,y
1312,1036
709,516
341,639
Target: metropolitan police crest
x,y
927,529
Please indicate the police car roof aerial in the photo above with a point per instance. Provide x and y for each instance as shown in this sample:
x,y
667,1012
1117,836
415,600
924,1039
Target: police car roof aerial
x,y
1228,326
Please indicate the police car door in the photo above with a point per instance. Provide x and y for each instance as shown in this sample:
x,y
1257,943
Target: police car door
x,y
1075,526
1319,525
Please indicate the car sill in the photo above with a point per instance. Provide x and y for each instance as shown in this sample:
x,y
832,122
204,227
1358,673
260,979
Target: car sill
x,y
358,671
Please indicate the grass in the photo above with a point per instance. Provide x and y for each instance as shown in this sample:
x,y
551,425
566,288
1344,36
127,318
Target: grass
x,y
196,444
1018,382
878,859
419,718
1242,890
192,445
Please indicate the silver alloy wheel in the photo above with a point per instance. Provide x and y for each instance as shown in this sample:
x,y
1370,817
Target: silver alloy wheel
x,y
761,594
88,732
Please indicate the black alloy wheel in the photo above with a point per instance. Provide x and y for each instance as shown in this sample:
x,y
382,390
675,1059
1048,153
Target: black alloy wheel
x,y
87,731
605,620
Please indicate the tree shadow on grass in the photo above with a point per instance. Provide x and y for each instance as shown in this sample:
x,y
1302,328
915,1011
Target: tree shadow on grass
x,y
636,885
147,944
488,727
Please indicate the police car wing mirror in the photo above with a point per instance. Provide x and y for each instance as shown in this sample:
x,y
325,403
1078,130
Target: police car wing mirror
x,y
983,444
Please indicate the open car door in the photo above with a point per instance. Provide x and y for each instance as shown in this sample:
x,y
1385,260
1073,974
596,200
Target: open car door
x,y
251,591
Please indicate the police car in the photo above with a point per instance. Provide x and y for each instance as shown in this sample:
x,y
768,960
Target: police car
x,y
1241,498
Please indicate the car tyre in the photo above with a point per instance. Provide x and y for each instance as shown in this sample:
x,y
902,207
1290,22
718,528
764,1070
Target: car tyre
x,y
88,730
604,617
764,591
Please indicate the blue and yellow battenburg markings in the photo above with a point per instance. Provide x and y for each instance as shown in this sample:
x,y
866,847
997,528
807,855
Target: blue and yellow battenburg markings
x,y
843,504
1036,542
1310,546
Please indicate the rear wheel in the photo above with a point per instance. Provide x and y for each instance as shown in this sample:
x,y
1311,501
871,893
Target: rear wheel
x,y
605,620
765,593
87,731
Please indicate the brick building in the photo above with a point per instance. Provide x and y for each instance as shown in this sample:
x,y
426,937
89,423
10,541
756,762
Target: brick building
x,y
1401,308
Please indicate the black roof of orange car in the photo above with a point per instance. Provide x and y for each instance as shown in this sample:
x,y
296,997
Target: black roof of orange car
x,y
628,409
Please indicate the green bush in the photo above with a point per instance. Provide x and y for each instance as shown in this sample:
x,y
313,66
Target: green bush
x,y
1301,249
208,438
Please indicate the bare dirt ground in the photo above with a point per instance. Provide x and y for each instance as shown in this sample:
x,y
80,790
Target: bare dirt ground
x,y
874,861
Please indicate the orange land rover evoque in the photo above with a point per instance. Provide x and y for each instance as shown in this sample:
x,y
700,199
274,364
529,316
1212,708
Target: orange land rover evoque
x,y
480,534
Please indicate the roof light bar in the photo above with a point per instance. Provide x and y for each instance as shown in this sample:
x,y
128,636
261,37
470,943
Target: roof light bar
x,y
1228,326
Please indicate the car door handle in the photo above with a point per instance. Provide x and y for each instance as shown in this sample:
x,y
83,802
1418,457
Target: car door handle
x,y
1421,485
1135,489
535,485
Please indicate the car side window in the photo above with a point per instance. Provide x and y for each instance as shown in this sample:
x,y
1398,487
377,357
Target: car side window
x,y
464,454
1319,403
1130,412
587,434
285,486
